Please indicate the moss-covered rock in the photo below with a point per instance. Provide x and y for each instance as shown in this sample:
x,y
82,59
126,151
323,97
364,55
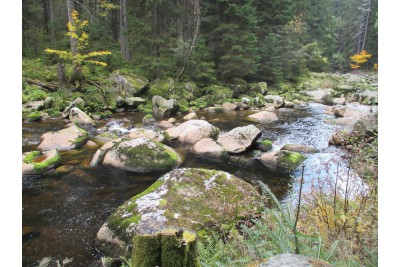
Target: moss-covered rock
x,y
163,87
34,116
218,94
264,145
79,117
127,84
162,108
37,162
260,87
141,155
194,199
283,159
66,139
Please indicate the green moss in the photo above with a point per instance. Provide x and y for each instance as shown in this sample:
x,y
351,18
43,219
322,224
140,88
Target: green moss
x,y
81,139
41,166
148,116
146,251
31,155
34,116
109,135
162,87
266,145
290,159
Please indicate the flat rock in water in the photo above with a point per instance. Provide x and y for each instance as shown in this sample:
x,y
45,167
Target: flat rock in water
x,y
263,117
207,147
190,132
190,116
151,134
141,155
239,139
186,198
66,139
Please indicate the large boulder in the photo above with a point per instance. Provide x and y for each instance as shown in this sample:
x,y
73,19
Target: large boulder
x,y
293,260
283,159
260,87
194,199
323,96
207,147
33,106
263,117
79,117
274,100
162,108
66,139
141,155
239,139
190,132
229,106
37,162
127,84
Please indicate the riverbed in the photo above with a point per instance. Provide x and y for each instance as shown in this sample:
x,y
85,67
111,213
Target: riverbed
x,y
67,207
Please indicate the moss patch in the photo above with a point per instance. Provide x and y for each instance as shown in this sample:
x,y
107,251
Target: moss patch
x,y
41,166
290,159
30,156
34,116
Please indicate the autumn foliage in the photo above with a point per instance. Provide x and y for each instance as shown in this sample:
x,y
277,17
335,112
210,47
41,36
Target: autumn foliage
x,y
359,59
75,30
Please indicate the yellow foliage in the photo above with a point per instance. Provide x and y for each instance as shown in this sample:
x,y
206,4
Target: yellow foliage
x,y
376,66
75,30
359,59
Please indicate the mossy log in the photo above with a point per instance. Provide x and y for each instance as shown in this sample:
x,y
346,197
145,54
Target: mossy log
x,y
48,86
168,248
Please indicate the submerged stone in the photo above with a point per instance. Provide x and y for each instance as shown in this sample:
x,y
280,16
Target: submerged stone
x,y
37,162
194,199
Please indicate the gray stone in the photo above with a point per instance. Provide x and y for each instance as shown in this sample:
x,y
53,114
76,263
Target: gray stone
x,y
275,100
127,84
190,116
323,96
207,147
263,117
294,260
81,118
162,108
66,139
239,139
299,148
229,106
190,132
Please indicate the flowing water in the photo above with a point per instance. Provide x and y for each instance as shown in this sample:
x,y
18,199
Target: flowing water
x,y
66,208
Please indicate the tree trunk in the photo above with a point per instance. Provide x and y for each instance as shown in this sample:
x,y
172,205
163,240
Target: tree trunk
x,y
123,20
51,21
196,20
77,74
61,73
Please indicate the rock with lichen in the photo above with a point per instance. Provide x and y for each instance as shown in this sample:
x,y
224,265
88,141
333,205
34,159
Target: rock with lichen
x,y
194,199
66,139
141,155
283,159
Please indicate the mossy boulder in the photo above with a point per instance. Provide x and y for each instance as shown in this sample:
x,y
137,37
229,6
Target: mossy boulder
x,y
78,103
218,94
66,139
260,87
34,116
37,162
127,84
162,108
192,131
194,199
282,160
141,155
274,100
148,120
163,87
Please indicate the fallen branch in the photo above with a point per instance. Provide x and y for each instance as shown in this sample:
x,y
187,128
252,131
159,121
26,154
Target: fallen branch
x,y
47,86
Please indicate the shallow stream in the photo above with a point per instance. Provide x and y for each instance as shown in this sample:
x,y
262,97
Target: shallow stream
x,y
66,208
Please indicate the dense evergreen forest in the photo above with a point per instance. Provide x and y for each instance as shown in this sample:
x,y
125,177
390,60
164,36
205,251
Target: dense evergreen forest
x,y
206,41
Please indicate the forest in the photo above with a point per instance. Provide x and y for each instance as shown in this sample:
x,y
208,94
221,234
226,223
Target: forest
x,y
199,133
